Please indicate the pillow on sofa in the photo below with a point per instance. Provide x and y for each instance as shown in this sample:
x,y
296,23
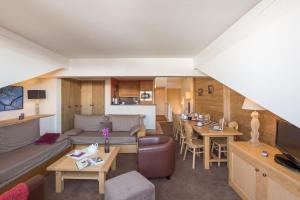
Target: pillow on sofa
x,y
89,122
73,132
124,122
106,124
48,138
16,136
134,130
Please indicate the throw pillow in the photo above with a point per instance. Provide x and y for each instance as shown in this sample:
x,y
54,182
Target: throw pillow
x,y
48,138
106,124
134,130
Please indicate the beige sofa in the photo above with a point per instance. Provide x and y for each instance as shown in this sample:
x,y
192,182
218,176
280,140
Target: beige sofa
x,y
124,130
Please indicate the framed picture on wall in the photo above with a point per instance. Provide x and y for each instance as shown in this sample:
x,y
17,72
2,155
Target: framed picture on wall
x,y
200,92
210,89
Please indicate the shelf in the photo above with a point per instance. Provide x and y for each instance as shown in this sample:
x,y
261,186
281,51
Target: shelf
x,y
9,122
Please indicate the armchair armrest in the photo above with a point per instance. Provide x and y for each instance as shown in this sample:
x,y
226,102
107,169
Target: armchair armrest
x,y
142,131
36,187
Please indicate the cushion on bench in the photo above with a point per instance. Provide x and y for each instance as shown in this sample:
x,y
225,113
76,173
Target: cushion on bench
x,y
17,136
18,162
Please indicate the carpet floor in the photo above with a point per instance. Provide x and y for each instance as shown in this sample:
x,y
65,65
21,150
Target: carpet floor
x,y
185,184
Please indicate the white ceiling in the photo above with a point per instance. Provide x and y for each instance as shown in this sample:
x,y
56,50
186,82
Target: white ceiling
x,y
122,28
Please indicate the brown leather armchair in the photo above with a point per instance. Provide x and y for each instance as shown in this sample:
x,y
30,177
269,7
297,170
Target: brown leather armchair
x,y
36,187
156,156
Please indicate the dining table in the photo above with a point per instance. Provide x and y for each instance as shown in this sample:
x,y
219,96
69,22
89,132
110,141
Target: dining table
x,y
207,134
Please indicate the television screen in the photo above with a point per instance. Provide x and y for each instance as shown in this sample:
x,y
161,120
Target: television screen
x,y
11,98
288,140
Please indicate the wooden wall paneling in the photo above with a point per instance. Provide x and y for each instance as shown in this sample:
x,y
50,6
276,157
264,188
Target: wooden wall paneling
x,y
98,97
209,103
228,103
174,99
267,120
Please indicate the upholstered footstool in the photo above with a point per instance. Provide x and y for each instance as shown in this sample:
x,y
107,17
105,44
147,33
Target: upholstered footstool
x,y
129,186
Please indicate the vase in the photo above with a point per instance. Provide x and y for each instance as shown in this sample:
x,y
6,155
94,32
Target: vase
x,y
106,145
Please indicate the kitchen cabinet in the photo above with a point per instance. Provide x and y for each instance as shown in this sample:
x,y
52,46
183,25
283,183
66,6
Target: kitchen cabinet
x,y
255,177
129,88
146,85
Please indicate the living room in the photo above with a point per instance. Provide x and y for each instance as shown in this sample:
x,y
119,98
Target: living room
x,y
211,85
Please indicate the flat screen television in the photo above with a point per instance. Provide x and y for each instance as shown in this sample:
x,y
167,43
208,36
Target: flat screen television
x,y
288,142
11,98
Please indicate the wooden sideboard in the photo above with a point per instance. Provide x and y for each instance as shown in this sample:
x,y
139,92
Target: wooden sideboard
x,y
253,176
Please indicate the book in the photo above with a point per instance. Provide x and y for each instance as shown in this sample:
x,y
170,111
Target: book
x,y
86,162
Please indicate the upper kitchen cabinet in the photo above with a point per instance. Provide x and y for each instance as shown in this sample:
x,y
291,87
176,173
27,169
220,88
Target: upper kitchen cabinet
x,y
129,88
146,85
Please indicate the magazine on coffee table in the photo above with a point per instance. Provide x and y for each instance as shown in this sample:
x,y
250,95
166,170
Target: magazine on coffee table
x,y
86,162
82,154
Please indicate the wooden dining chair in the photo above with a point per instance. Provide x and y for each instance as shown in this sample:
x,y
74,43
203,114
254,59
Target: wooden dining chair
x,y
220,144
195,146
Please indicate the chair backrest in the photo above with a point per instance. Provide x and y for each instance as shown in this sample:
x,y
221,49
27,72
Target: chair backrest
x,y
207,117
233,125
188,130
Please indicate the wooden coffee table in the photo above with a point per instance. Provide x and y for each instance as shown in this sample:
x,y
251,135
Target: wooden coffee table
x,y
65,168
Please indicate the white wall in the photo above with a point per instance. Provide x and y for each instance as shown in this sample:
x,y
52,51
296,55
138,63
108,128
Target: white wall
x,y
50,105
131,67
262,64
21,59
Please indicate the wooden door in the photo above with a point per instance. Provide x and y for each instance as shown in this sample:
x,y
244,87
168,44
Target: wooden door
x,y
70,102
243,177
98,97
92,97
86,98
278,191
160,101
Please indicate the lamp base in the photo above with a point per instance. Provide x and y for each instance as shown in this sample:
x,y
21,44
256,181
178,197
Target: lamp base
x,y
37,108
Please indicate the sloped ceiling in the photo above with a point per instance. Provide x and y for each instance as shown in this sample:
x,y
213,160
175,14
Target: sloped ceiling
x,y
263,62
122,28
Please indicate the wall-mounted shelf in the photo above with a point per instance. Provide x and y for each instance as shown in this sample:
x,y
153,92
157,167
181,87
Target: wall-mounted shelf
x,y
9,122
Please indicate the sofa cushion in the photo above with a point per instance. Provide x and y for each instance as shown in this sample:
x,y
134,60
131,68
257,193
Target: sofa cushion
x,y
134,130
88,122
106,124
90,137
17,136
74,131
18,162
124,122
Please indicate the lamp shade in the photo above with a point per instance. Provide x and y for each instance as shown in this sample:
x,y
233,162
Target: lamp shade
x,y
250,105
36,94
188,95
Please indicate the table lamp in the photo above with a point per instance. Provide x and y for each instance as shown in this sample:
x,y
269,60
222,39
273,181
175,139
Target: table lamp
x,y
250,105
36,95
